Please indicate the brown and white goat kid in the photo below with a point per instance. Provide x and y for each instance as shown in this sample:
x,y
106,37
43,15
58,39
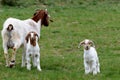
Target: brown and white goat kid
x,y
91,61
32,51
14,32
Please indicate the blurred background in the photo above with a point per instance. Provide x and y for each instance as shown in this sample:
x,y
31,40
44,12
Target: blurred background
x,y
27,3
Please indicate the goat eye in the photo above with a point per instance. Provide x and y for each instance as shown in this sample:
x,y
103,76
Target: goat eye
x,y
34,14
83,43
89,43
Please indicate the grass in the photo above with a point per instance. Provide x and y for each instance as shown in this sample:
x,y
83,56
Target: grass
x,y
60,57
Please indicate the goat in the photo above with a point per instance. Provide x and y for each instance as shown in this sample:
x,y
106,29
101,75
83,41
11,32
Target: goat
x,y
32,50
14,32
91,61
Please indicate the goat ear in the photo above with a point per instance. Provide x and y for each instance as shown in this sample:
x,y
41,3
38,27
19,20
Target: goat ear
x,y
36,34
27,37
81,44
91,43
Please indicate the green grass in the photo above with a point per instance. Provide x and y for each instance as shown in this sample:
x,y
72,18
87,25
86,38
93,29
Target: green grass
x,y
60,57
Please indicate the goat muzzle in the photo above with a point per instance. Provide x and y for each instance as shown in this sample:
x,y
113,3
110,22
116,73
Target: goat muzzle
x,y
87,47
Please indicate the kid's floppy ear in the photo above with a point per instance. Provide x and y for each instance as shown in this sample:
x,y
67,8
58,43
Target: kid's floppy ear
x,y
81,44
36,35
27,37
91,43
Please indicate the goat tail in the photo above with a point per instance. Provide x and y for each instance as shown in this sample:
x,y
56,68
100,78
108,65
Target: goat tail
x,y
10,27
10,43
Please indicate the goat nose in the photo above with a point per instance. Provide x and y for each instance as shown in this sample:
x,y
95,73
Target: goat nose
x,y
87,47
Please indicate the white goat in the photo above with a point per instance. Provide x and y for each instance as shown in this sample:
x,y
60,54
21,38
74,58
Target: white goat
x,y
91,61
32,50
15,30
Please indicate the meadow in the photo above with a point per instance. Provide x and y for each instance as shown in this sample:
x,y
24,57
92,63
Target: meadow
x,y
60,57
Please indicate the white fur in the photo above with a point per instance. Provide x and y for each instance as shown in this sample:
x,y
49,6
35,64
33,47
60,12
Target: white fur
x,y
20,29
91,61
34,52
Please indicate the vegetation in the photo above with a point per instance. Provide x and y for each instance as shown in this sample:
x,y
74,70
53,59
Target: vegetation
x,y
98,20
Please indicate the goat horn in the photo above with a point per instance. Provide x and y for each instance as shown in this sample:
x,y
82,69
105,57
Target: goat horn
x,y
45,9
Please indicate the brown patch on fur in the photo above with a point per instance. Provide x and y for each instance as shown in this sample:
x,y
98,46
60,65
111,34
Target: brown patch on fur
x,y
10,27
91,43
32,39
43,15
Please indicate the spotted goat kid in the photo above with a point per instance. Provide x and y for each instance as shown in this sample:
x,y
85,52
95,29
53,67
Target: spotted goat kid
x,y
32,51
91,61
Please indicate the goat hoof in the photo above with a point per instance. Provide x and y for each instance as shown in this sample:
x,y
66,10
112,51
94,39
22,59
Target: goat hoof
x,y
11,65
6,65
39,69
